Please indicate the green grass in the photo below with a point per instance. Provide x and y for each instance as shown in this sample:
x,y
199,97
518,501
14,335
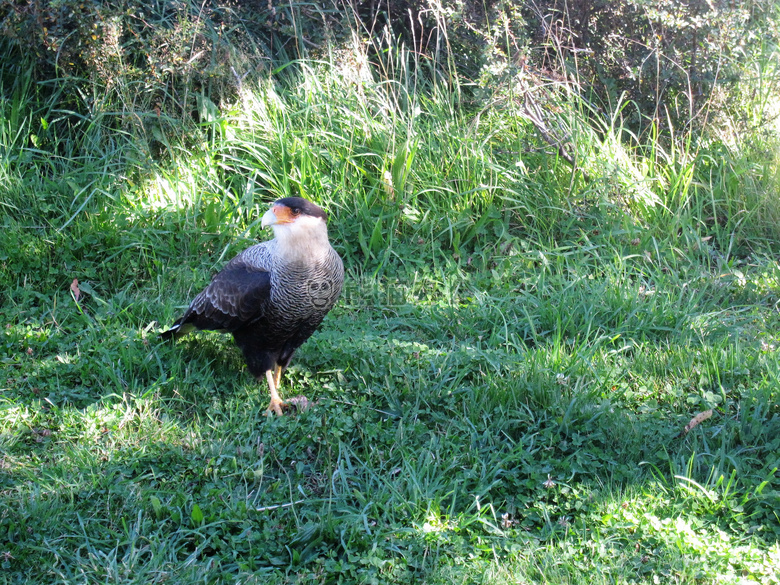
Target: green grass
x,y
499,397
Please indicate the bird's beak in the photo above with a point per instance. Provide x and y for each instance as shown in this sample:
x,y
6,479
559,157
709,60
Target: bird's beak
x,y
269,218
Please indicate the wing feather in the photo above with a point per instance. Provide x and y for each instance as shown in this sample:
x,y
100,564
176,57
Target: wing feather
x,y
237,295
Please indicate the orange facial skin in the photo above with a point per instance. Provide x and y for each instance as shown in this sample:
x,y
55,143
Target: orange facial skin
x,y
283,214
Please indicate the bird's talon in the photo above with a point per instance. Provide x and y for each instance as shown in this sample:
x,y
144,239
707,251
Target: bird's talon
x,y
277,407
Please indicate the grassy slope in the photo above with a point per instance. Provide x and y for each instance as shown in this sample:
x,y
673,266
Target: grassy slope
x,y
499,397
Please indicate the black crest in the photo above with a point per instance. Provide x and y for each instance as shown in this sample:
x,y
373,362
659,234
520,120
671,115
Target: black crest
x,y
304,206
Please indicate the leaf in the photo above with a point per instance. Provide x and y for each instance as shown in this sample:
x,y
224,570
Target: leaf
x,y
74,289
402,164
156,506
197,515
363,243
377,241
84,287
697,420
212,216
208,110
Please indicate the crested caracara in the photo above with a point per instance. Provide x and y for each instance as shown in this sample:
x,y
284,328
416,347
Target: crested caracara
x,y
272,296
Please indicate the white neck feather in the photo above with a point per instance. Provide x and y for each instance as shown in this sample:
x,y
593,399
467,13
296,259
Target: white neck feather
x,y
304,241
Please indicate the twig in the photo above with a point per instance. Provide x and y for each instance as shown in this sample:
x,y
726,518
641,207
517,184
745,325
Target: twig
x,y
278,506
534,114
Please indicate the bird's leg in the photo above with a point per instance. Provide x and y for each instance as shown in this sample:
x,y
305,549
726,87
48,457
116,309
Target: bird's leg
x,y
278,376
276,402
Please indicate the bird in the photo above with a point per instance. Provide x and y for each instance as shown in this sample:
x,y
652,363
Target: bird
x,y
272,296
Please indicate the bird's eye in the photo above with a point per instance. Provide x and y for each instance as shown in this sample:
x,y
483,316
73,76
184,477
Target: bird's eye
x,y
296,211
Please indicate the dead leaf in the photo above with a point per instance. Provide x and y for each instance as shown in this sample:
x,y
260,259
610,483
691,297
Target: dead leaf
x,y
299,403
697,420
74,288
387,180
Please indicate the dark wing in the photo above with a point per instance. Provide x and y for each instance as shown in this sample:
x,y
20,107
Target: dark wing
x,y
237,295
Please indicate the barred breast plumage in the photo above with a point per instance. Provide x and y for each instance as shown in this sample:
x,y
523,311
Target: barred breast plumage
x,y
274,295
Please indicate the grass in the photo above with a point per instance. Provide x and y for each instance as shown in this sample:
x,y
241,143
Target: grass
x,y
499,397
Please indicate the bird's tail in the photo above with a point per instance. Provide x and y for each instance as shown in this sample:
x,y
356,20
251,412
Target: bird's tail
x,y
178,329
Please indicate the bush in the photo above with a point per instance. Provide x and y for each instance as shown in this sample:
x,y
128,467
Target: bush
x,y
676,61
141,67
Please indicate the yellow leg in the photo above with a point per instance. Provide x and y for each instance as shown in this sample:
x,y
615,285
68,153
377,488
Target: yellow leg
x,y
276,402
278,376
